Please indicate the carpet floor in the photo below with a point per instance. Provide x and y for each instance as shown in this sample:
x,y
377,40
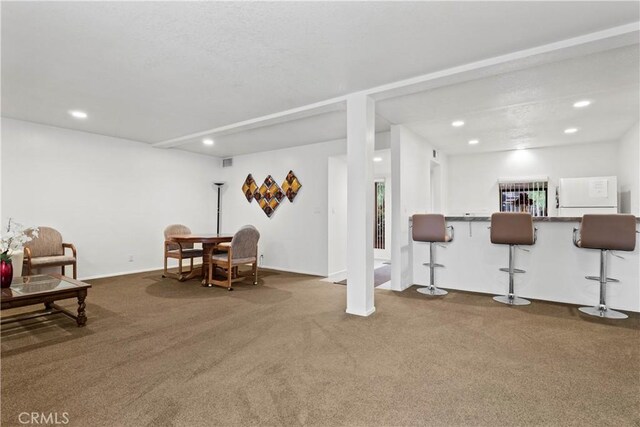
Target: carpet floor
x,y
156,352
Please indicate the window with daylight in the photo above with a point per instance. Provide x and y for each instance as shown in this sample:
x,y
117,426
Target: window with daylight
x,y
378,232
530,196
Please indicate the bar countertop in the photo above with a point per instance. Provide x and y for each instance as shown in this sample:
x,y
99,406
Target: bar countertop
x,y
471,218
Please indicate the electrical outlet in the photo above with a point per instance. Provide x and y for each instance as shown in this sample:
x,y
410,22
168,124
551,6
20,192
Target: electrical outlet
x,y
130,258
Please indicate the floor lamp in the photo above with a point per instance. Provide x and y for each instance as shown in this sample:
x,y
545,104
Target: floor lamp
x,y
219,185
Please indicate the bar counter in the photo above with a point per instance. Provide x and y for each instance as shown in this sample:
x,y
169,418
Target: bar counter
x,y
555,268
471,218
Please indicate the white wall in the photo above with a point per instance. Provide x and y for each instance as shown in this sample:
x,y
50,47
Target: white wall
x,y
295,238
473,178
337,207
629,171
111,197
410,168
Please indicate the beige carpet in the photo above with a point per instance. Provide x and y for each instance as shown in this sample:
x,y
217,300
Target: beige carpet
x,y
157,352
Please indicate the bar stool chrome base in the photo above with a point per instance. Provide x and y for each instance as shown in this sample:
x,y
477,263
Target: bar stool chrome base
x,y
601,309
511,300
603,312
432,291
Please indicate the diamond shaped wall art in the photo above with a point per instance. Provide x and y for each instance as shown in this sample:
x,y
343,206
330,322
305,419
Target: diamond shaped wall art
x,y
291,186
249,188
269,195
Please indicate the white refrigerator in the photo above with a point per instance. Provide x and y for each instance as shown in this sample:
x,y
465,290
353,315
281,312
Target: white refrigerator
x,y
589,195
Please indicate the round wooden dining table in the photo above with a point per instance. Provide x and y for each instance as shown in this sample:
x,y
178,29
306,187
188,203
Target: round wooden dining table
x,y
208,241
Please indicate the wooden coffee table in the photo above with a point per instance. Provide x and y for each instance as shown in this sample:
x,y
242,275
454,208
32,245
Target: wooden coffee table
x,y
44,289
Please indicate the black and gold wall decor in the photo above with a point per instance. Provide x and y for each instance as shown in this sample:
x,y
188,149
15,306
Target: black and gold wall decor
x,y
270,195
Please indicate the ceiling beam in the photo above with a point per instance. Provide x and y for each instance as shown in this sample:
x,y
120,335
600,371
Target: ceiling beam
x,y
327,106
582,45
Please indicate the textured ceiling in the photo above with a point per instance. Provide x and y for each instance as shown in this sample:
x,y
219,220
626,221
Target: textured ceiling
x,y
530,107
152,71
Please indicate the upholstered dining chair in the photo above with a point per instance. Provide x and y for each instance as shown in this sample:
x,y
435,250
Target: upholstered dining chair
x,y
178,251
243,249
48,250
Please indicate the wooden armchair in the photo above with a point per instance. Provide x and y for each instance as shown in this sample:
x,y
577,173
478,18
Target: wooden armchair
x,y
178,251
48,250
243,249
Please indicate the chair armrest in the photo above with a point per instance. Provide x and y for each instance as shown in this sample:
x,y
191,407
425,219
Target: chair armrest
x,y
27,255
171,242
220,247
450,234
72,247
575,237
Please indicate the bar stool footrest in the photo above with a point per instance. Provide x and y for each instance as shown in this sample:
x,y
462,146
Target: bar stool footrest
x,y
515,270
511,300
432,291
597,279
603,312
432,265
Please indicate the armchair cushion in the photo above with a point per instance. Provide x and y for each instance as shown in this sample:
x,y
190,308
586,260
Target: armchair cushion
x,y
245,243
235,261
48,243
186,253
177,230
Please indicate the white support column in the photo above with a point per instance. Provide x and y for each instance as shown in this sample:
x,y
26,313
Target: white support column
x,y
360,147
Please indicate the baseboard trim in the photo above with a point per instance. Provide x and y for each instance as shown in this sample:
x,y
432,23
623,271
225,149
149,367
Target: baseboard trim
x,y
124,273
361,313
335,273
161,268
287,270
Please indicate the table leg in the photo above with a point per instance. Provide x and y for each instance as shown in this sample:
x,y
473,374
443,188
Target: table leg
x,y
81,320
207,248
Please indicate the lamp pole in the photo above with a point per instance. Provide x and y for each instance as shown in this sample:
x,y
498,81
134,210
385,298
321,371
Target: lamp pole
x,y
219,185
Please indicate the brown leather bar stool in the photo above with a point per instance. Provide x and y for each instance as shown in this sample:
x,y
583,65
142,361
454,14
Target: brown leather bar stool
x,y
616,232
431,228
513,229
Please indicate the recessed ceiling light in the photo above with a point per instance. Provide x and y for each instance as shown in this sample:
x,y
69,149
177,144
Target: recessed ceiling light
x,y
473,141
571,130
457,123
582,104
78,114
377,159
207,141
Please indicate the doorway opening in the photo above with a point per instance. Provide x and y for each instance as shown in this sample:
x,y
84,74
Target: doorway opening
x,y
379,225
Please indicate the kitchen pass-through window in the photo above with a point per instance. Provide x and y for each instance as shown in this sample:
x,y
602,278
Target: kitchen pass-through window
x,y
528,196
